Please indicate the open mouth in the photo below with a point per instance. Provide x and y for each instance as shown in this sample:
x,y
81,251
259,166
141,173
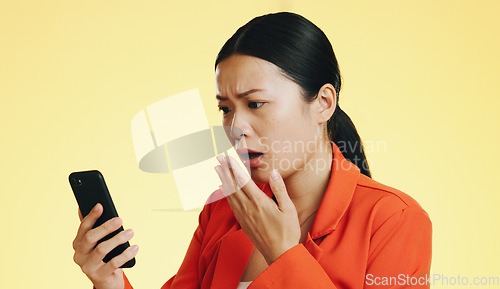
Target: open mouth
x,y
254,155
251,158
249,154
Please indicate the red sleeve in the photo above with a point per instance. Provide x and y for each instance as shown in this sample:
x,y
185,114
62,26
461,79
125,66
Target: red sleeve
x,y
127,283
400,251
187,276
402,245
294,269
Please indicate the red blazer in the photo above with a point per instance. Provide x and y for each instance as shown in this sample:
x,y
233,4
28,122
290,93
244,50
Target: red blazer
x,y
364,234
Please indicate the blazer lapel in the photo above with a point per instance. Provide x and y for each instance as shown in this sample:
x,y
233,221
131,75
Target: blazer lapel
x,y
313,248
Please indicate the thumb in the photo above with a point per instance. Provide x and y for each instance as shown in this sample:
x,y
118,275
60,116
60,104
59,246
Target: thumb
x,y
279,190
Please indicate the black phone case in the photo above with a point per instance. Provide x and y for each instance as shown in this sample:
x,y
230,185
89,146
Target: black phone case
x,y
89,189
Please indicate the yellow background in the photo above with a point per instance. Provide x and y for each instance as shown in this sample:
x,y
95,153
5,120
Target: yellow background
x,y
420,77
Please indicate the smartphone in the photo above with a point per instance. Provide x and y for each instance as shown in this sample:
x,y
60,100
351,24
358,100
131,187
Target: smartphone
x,y
89,189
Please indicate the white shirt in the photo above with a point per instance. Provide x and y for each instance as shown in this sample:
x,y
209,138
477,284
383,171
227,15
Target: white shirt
x,y
243,285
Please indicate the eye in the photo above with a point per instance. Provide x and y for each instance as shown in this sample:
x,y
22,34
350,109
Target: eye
x,y
223,109
251,106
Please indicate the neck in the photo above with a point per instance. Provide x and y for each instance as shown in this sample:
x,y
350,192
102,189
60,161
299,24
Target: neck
x,y
306,187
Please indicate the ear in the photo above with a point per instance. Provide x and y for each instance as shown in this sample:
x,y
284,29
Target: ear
x,y
326,102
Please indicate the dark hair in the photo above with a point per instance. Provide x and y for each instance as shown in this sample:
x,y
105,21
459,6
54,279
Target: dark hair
x,y
303,53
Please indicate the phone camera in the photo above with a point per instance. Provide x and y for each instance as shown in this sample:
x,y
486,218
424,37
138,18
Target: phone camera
x,y
76,182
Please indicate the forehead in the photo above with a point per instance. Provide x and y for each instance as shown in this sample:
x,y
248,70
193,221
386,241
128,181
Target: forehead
x,y
239,73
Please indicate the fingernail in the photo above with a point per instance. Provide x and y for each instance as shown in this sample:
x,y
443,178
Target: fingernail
x,y
129,233
274,174
135,248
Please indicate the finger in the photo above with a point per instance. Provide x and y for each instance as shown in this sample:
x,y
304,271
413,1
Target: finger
x,y
119,260
226,176
222,178
279,190
230,197
88,222
80,215
94,235
241,178
105,247
234,203
244,181
238,190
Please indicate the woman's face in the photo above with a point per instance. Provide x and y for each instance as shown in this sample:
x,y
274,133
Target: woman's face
x,y
270,116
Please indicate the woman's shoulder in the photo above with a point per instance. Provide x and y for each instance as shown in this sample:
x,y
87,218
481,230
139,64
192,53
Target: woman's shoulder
x,y
381,201
374,189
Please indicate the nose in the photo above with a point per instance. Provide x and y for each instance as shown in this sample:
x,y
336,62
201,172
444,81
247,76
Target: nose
x,y
239,128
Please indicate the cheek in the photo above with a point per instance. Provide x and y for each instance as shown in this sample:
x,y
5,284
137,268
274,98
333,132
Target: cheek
x,y
292,144
288,147
293,131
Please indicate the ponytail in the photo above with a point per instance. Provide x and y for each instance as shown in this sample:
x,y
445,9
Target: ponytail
x,y
343,133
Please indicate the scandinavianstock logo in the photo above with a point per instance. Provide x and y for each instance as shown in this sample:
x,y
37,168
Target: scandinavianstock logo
x,y
168,140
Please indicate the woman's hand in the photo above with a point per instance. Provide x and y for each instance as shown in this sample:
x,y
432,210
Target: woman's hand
x,y
103,275
272,228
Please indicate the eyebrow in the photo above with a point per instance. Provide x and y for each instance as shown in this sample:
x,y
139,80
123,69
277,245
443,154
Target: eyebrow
x,y
240,95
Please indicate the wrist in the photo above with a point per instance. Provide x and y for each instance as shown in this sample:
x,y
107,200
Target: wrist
x,y
273,256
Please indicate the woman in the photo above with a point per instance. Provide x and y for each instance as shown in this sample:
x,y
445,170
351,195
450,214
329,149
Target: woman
x,y
309,215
